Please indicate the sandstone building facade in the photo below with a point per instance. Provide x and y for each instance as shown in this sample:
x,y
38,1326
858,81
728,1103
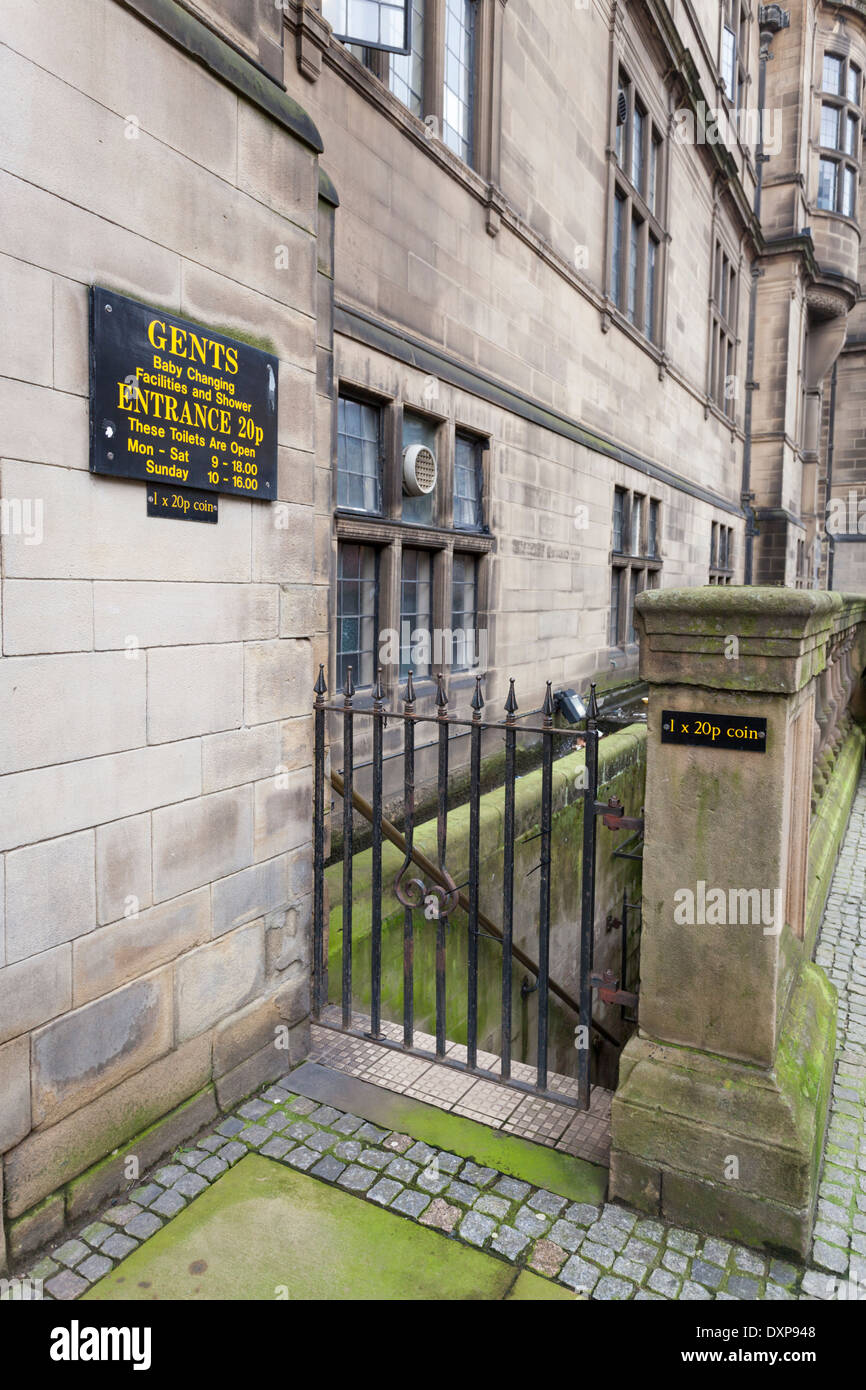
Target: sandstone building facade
x,y
544,257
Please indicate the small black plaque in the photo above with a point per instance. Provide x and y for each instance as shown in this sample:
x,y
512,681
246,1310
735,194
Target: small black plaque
x,y
714,730
176,403
182,503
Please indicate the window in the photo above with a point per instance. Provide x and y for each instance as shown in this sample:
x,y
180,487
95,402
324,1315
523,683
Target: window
x,y
467,484
733,61
416,612
357,594
411,575
652,548
839,136
635,558
637,235
458,97
442,49
464,607
619,501
724,305
359,456
406,72
721,553
375,23
418,429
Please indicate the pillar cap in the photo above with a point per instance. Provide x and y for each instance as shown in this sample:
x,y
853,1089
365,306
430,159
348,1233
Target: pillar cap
x,y
765,639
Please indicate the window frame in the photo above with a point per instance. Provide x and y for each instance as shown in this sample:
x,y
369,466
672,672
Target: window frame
x,y
844,163
632,570
339,656
370,403
736,21
635,209
725,277
721,568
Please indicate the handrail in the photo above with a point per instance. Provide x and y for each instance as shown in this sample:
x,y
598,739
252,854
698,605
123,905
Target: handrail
x,y
390,831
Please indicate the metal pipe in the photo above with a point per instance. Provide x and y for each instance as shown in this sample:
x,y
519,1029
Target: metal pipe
x,y
831,449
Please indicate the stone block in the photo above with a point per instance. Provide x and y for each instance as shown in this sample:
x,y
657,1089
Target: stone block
x,y
282,815
86,1193
50,894
123,868
71,337
283,543
275,170
250,1030
218,979
34,990
211,298
92,1049
66,707
251,893
303,610
26,311
239,756
199,841
277,680
169,614
70,240
47,615
92,530
49,1158
42,426
108,958
249,1076
194,690
53,801
14,1092
37,1226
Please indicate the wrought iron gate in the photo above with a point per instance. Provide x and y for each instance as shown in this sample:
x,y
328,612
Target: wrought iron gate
x,y
414,892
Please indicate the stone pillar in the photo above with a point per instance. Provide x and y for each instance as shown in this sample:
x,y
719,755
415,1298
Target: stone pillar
x,y
719,1117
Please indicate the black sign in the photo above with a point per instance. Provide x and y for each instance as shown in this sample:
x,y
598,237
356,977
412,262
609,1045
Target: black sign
x,y
714,730
182,503
176,403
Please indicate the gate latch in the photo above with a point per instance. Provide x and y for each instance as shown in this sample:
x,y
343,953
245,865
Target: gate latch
x,y
609,992
612,817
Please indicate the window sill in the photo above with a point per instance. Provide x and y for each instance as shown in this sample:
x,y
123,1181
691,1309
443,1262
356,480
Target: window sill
x,y
362,526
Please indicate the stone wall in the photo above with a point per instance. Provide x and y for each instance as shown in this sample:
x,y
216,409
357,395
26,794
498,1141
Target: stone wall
x,y
155,678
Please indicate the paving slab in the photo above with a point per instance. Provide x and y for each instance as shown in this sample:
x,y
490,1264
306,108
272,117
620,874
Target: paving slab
x,y
263,1231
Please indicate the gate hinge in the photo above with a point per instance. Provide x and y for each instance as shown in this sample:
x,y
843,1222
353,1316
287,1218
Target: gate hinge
x,y
612,816
609,992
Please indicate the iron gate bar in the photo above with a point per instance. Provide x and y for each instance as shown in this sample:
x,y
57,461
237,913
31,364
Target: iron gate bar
x,y
508,876
544,886
348,833
376,879
474,833
408,912
414,894
319,984
587,914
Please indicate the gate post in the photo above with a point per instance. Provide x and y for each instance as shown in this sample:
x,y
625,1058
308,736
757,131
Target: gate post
x,y
719,1116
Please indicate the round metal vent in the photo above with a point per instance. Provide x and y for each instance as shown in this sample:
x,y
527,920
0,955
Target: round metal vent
x,y
621,107
420,470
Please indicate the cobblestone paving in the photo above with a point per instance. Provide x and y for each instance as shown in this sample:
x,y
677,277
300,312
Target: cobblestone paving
x,y
839,1244
600,1252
